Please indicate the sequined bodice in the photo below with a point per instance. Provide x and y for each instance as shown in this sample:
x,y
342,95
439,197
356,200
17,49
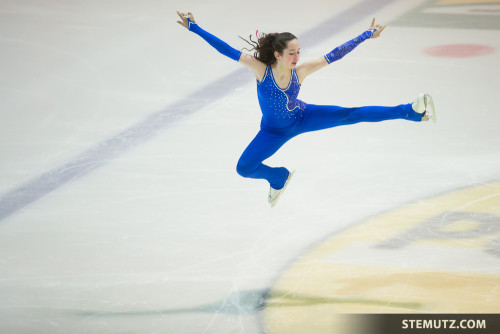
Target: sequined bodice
x,y
280,107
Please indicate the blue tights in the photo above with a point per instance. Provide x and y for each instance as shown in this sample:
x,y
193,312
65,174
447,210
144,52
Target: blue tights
x,y
315,118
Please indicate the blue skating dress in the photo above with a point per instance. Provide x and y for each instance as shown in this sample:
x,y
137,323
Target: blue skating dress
x,y
284,116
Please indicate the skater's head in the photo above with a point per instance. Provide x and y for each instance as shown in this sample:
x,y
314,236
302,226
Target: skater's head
x,y
276,47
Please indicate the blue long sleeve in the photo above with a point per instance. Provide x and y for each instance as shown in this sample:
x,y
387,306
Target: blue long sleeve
x,y
342,50
218,44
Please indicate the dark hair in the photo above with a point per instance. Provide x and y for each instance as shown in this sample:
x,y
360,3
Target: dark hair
x,y
266,44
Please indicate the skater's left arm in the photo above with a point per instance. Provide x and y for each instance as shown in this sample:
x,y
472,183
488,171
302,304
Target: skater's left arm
x,y
339,52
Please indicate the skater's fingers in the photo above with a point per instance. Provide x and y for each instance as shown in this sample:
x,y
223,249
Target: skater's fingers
x,y
373,22
378,31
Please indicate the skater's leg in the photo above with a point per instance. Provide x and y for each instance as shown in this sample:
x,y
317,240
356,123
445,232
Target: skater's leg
x,y
323,117
264,145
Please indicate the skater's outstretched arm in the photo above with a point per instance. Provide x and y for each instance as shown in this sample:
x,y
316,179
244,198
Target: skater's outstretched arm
x,y
188,22
339,52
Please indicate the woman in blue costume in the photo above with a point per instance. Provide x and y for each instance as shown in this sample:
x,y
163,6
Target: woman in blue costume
x,y
274,64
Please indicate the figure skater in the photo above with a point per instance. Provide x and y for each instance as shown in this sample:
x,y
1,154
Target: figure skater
x,y
274,64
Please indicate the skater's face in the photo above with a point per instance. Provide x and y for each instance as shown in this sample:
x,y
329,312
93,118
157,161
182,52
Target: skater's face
x,y
290,56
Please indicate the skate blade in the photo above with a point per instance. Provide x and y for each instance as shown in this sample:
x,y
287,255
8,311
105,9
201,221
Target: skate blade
x,y
281,191
430,102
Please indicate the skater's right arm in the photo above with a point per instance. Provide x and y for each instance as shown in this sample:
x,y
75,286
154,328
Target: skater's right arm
x,y
249,61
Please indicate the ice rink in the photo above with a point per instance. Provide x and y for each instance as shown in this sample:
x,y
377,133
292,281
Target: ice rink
x,y
121,210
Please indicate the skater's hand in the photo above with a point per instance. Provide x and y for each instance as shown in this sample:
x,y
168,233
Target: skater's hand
x,y
378,28
184,17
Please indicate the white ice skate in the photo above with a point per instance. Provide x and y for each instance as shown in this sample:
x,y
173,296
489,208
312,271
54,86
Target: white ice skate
x,y
424,104
274,195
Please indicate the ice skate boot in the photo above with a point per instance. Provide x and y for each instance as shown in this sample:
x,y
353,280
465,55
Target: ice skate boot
x,y
274,195
424,104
